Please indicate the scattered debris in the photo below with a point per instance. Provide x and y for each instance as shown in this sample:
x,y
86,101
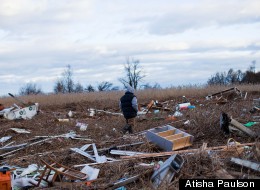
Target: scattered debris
x,y
21,113
167,170
241,127
63,120
60,171
4,139
124,152
250,123
82,126
113,161
17,130
227,92
246,163
91,172
5,178
31,168
162,154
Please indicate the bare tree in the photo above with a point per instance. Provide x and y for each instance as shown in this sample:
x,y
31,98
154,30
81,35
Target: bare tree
x,y
67,78
59,87
29,89
105,86
149,86
65,84
134,73
90,88
78,88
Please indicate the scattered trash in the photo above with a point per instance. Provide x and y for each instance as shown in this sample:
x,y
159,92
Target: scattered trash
x,y
95,158
124,152
21,113
4,139
5,178
250,124
83,126
167,170
63,120
221,93
243,128
224,123
17,130
60,171
31,168
123,181
70,114
91,172
92,112
169,138
23,182
182,106
156,111
177,114
246,163
187,122
171,118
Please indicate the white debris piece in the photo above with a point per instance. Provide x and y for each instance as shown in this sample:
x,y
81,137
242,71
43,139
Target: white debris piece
x,y
21,113
83,126
91,172
18,130
3,139
23,182
31,168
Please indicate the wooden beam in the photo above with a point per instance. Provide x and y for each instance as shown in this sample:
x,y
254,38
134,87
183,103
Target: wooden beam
x,y
160,154
243,128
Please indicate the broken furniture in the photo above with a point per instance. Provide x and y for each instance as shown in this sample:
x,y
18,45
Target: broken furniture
x,y
60,171
167,171
228,92
169,138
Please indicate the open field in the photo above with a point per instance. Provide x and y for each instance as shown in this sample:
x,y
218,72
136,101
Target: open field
x,y
105,131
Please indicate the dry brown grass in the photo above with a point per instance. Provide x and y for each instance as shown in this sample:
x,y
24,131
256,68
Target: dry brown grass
x,y
110,99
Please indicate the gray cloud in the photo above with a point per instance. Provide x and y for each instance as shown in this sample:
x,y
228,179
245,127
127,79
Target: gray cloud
x,y
194,15
170,38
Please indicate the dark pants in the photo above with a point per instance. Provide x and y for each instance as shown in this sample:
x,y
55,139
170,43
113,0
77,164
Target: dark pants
x,y
130,123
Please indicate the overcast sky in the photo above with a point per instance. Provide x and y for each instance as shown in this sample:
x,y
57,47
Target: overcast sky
x,y
178,42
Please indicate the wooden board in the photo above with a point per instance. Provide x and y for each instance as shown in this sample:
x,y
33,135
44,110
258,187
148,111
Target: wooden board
x,y
166,133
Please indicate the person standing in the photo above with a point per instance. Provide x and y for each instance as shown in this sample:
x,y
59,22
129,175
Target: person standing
x,y
129,106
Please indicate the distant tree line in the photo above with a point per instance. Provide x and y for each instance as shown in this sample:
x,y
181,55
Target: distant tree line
x,y
234,77
134,77
65,84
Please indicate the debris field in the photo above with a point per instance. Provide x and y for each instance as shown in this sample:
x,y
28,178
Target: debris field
x,y
57,131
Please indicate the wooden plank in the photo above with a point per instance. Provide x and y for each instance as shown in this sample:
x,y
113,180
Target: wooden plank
x,y
175,136
181,143
220,148
243,128
166,133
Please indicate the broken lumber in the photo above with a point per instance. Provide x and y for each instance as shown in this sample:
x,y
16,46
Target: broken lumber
x,y
243,128
160,154
246,163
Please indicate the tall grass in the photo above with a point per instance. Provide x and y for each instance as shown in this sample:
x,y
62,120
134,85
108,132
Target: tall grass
x,y
112,98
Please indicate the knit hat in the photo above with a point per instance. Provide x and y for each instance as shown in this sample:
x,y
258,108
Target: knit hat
x,y
129,88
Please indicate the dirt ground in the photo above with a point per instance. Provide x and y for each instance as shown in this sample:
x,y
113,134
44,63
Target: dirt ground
x,y
104,130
